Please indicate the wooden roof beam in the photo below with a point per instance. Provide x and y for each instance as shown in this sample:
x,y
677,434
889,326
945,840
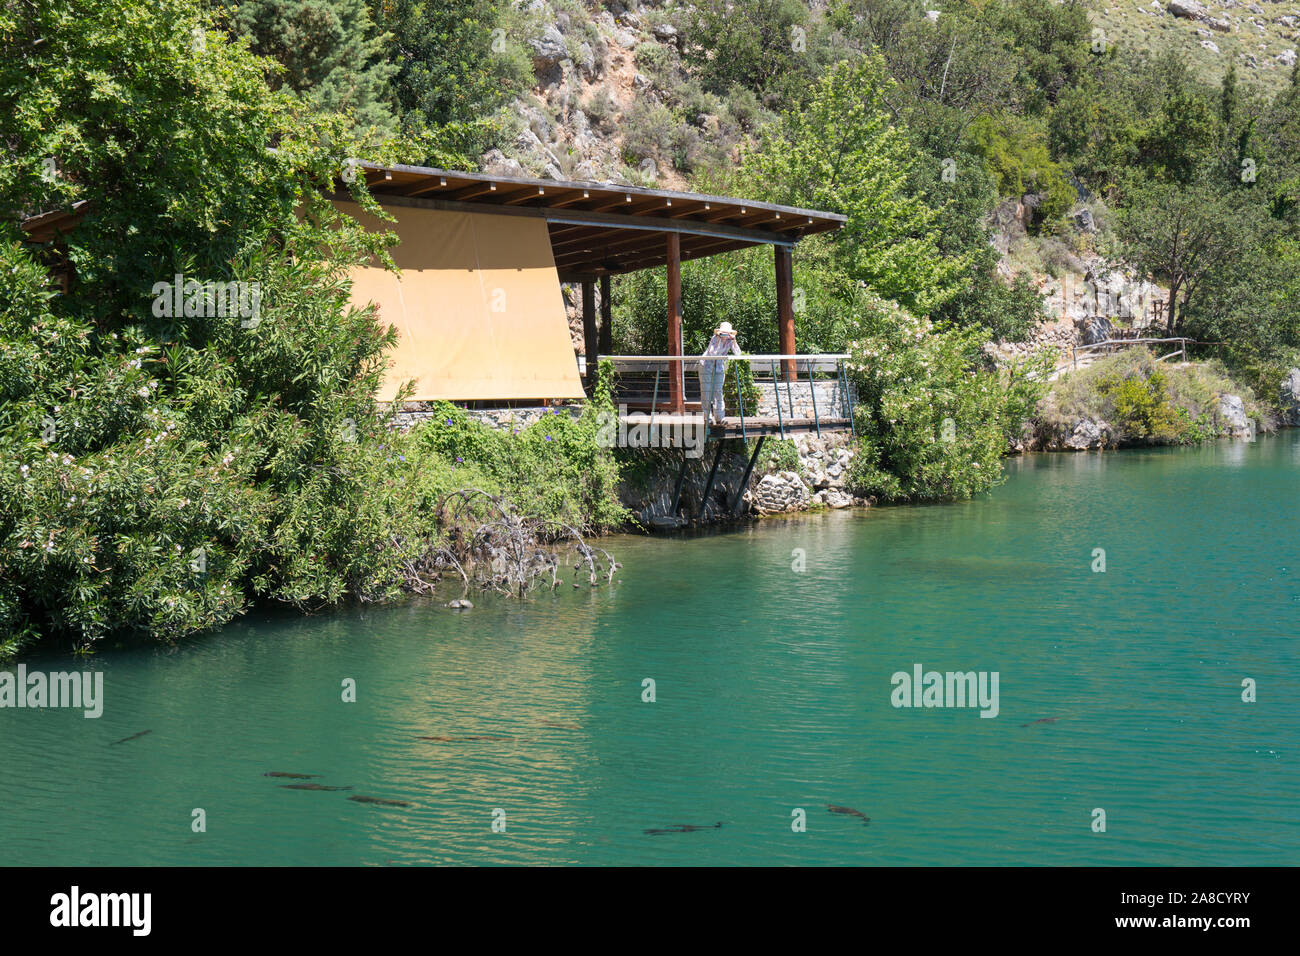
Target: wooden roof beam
x,y
590,237
578,196
621,203
469,192
438,184
649,205
598,191
634,260
578,217
527,194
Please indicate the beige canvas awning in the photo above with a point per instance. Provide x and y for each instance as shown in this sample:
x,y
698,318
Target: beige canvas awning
x,y
477,307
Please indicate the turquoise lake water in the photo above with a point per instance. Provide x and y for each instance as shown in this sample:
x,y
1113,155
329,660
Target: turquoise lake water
x,y
772,693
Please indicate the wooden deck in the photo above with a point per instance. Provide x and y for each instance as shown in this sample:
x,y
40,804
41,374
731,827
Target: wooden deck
x,y
754,427
734,426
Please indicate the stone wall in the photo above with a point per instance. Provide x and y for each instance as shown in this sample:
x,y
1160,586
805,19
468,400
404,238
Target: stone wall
x,y
651,477
825,462
829,395
500,418
819,482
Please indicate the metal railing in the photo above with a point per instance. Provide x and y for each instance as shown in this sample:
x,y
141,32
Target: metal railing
x,y
1114,345
758,391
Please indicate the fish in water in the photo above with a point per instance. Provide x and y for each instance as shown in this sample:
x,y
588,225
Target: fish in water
x,y
380,801
292,776
849,812
559,725
310,786
1041,720
683,828
460,740
132,737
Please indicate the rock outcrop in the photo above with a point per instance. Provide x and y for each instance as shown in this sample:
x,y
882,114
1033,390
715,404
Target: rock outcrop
x,y
1290,398
1094,329
1231,418
780,492
1088,435
1188,10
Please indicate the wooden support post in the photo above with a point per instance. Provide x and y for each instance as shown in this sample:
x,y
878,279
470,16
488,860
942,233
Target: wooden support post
x,y
676,381
785,308
606,317
590,342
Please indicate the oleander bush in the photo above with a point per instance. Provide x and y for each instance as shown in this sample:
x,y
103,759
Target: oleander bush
x,y
932,421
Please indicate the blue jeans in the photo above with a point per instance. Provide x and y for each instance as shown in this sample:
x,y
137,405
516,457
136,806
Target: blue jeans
x,y
712,377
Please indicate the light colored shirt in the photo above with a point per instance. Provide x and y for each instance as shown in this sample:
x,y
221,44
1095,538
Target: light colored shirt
x,y
723,345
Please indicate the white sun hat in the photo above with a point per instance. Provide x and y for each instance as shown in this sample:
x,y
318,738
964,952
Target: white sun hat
x,y
726,329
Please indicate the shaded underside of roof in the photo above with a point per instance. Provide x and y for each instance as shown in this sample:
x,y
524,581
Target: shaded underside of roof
x,y
600,228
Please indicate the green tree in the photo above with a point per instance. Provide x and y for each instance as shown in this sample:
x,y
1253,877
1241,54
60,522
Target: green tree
x,y
843,152
1181,137
873,24
1254,307
1095,129
964,62
1016,154
1054,38
330,50
159,472
1278,136
457,62
762,45
1229,98
963,181
1189,236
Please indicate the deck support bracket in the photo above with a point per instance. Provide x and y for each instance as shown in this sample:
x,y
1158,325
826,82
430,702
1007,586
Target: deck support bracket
x,y
708,486
677,492
744,481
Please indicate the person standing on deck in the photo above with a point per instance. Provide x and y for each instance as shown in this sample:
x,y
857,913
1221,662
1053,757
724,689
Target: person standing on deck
x,y
713,374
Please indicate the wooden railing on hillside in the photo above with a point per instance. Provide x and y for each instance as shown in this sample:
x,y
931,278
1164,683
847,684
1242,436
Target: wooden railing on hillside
x,y
1109,346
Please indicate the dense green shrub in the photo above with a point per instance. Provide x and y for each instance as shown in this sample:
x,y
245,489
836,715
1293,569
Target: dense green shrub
x,y
782,454
160,473
1141,407
1016,153
651,133
932,422
553,469
1144,401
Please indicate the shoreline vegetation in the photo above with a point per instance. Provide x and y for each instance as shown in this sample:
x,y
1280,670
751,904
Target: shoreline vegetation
x,y
161,475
